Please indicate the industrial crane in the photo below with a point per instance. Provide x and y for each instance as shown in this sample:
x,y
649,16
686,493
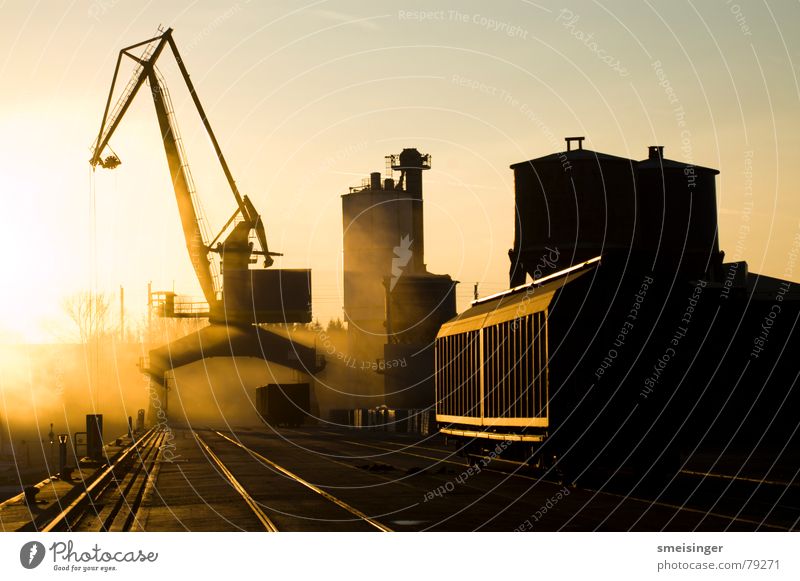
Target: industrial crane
x,y
245,289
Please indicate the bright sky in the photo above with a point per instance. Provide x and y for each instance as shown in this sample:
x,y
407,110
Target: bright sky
x,y
307,98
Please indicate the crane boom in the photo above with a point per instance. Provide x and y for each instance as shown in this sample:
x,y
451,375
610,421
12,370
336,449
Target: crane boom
x,y
181,180
109,124
197,242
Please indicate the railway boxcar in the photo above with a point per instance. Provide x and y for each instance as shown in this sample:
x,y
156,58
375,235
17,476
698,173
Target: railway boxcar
x,y
287,404
601,368
487,353
557,368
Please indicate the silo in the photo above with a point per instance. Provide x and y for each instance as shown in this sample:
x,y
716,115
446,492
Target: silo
x,y
678,203
570,206
393,306
378,235
383,239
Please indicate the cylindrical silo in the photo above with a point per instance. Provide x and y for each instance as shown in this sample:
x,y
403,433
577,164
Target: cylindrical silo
x,y
570,206
378,238
392,304
678,214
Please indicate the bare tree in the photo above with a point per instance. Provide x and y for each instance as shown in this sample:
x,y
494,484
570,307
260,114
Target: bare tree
x,y
335,326
91,313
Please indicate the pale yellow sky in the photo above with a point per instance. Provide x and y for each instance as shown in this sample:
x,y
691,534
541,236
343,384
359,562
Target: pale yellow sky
x,y
306,99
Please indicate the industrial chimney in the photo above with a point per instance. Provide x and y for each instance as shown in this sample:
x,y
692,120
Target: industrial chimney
x,y
411,163
393,306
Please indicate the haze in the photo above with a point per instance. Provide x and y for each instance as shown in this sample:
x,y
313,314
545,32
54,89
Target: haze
x,y
308,99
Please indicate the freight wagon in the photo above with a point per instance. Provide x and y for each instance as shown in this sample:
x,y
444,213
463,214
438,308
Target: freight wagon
x,y
602,369
635,346
285,404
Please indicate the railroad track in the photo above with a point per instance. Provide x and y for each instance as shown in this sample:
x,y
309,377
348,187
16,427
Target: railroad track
x,y
758,497
259,509
120,501
219,469
110,499
764,504
737,499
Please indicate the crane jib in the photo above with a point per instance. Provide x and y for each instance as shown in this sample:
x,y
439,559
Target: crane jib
x,y
182,183
197,238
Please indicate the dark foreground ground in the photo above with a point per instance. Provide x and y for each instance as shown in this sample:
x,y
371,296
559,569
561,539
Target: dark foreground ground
x,y
319,479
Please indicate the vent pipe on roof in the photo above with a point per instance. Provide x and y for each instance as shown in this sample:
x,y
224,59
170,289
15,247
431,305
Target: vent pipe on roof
x,y
569,141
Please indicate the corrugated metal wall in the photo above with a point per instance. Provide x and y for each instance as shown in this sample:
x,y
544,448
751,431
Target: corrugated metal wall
x,y
496,375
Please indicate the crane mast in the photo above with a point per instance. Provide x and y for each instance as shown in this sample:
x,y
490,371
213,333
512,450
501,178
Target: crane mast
x,y
235,249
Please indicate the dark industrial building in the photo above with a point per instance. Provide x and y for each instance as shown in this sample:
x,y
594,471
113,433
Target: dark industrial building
x,y
392,304
661,214
624,341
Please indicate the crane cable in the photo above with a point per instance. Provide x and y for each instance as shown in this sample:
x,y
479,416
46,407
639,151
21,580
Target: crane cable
x,y
94,352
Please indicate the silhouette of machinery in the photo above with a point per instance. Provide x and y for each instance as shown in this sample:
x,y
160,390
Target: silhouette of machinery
x,y
244,295
392,304
624,340
238,298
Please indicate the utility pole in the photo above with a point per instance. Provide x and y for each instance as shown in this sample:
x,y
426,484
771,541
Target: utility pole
x,y
149,311
121,314
52,437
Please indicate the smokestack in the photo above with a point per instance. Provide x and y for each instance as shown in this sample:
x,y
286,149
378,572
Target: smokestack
x,y
411,163
375,180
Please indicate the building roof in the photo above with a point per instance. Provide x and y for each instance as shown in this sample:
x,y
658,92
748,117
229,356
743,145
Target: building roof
x,y
228,341
672,164
763,287
580,154
516,302
574,155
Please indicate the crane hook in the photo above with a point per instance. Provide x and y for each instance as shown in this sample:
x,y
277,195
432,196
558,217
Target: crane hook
x,y
110,162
